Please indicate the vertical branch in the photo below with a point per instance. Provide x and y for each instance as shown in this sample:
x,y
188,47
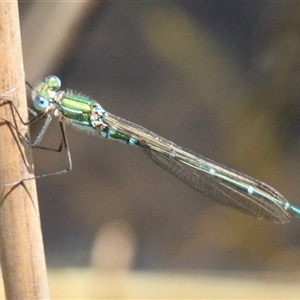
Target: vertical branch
x,y
21,247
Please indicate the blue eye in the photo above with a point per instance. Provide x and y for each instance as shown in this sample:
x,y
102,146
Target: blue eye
x,y
40,102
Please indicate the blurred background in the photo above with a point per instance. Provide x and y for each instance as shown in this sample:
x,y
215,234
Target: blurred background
x,y
220,78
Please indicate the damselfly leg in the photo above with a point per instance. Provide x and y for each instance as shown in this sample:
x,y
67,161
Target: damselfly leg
x,y
36,142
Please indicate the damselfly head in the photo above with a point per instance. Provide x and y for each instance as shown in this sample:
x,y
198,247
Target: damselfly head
x,y
44,91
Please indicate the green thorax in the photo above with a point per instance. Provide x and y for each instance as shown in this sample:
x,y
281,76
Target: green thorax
x,y
77,109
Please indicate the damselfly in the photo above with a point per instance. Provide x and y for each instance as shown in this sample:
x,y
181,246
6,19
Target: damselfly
x,y
224,185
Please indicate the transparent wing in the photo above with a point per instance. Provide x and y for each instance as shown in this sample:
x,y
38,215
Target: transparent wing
x,y
220,191
223,185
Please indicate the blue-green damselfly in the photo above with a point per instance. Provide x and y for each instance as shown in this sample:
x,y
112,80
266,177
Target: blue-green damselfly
x,y
224,185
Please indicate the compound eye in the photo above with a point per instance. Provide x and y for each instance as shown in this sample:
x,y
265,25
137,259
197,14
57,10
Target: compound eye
x,y
53,82
40,102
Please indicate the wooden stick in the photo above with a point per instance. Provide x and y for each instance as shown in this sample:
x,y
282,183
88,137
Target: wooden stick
x,y
21,247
